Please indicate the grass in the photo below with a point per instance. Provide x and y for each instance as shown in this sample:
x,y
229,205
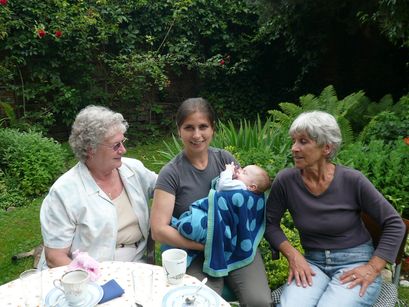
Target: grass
x,y
20,232
20,228
148,154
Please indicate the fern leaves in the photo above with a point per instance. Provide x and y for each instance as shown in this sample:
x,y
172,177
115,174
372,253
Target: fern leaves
x,y
327,101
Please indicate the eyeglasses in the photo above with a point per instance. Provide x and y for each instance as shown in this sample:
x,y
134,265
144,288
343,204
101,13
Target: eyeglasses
x,y
116,146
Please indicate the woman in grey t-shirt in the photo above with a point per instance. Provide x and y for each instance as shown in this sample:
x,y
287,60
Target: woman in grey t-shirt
x,y
187,178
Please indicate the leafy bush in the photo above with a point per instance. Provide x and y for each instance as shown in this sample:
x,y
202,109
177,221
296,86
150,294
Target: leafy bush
x,y
9,195
9,116
343,110
247,136
386,165
61,55
389,125
261,143
30,161
277,270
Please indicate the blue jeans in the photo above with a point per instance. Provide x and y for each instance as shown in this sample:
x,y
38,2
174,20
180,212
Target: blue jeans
x,y
327,290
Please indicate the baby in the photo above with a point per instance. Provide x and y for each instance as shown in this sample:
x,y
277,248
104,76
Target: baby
x,y
192,224
251,177
230,222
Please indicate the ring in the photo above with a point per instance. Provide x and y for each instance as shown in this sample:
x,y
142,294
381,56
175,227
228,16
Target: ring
x,y
353,276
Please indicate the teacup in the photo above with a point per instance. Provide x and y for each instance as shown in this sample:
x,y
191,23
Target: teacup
x,y
74,286
174,263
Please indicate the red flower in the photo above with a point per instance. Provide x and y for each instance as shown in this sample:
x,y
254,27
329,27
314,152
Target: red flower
x,y
3,2
406,140
221,62
58,34
41,33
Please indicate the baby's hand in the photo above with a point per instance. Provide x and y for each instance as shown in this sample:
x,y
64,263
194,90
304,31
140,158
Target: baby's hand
x,y
231,167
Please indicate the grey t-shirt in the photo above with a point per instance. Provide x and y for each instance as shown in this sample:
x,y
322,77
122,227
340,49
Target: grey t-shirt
x,y
332,220
180,178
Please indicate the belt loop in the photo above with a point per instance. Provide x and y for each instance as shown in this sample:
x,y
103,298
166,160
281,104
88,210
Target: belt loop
x,y
122,245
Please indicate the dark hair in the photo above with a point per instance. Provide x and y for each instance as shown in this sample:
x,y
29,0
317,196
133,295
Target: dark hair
x,y
192,105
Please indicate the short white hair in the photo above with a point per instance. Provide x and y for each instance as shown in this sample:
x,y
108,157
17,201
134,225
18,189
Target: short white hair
x,y
321,127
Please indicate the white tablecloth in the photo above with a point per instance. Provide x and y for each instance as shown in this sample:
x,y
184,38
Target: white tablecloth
x,y
11,293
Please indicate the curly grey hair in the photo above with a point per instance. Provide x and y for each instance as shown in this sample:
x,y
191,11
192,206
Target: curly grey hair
x,y
320,126
93,125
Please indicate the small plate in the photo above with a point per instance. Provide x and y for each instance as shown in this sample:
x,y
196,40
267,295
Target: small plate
x,y
176,297
93,296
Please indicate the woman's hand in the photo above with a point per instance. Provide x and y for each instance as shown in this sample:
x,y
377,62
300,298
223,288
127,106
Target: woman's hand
x,y
363,275
299,269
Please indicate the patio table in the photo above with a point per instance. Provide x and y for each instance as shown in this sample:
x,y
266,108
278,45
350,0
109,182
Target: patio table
x,y
11,293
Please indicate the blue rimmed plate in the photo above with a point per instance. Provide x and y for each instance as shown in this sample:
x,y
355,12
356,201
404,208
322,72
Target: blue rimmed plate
x,y
93,296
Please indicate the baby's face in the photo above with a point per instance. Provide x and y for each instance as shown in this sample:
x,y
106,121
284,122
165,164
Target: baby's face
x,y
246,175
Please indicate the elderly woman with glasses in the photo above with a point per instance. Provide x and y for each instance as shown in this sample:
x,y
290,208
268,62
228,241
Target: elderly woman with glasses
x,y
100,205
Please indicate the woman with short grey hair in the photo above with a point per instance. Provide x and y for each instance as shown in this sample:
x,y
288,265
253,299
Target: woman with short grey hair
x,y
90,128
100,205
321,127
340,266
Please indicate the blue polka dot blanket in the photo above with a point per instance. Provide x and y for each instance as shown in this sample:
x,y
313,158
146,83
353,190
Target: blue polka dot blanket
x,y
231,224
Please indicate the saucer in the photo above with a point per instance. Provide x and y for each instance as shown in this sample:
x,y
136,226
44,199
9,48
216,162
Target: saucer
x,y
176,297
93,295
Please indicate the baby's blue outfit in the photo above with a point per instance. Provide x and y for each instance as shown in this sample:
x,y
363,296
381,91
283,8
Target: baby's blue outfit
x,y
230,223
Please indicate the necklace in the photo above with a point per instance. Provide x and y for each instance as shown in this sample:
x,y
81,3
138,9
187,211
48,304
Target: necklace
x,y
110,184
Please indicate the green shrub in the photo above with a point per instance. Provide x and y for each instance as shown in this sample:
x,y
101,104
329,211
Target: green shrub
x,y
30,161
389,125
327,101
9,195
9,116
261,143
386,165
252,136
277,270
